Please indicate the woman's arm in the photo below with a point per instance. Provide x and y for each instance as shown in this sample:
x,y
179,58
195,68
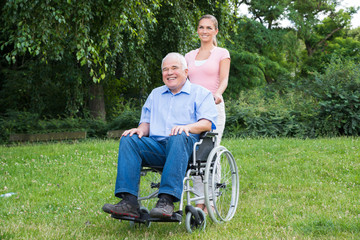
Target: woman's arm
x,y
224,78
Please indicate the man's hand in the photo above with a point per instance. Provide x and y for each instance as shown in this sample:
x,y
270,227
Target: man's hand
x,y
200,126
179,129
141,130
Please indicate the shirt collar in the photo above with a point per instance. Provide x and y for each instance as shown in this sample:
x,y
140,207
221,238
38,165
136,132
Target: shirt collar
x,y
186,88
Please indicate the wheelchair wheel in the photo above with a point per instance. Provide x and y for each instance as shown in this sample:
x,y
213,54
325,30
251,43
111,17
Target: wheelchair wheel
x,y
191,223
149,188
221,185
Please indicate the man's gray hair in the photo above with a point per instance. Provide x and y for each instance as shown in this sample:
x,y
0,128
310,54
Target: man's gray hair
x,y
180,57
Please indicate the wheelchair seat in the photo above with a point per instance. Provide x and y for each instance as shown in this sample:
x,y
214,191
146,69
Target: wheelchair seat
x,y
201,151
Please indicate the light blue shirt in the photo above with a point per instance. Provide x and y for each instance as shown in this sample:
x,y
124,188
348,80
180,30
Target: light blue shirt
x,y
164,110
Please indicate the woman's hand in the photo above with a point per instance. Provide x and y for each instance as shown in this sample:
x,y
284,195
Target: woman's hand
x,y
218,98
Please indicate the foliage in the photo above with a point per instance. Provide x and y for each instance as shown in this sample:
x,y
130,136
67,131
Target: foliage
x,y
316,33
345,47
49,90
339,47
17,122
26,122
341,43
268,11
354,33
120,43
326,105
125,116
93,30
255,114
304,15
245,73
94,33
260,61
338,94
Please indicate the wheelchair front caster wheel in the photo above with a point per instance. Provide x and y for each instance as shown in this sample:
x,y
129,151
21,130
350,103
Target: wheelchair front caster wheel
x,y
193,224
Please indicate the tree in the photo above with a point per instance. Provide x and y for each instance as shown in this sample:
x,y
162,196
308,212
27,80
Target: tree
x,y
268,12
315,23
258,55
112,42
306,16
93,31
355,33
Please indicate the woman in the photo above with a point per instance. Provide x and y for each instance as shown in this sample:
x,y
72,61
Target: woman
x,y
209,67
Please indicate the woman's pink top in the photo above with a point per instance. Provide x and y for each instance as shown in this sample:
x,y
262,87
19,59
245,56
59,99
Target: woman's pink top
x,y
207,74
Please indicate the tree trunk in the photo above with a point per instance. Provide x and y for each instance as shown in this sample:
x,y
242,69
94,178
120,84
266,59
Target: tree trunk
x,y
97,102
268,79
310,50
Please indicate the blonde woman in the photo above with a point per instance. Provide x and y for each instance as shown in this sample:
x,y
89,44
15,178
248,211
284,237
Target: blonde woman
x,y
209,67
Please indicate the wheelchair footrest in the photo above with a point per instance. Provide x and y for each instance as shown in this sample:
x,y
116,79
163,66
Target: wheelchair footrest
x,y
176,217
145,217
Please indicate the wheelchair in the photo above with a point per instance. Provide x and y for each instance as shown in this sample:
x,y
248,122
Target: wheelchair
x,y
218,170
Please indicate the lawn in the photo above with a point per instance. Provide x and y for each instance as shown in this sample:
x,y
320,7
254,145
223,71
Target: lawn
x,y
289,189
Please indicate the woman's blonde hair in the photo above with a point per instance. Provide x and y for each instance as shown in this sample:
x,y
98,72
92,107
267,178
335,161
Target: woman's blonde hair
x,y
215,22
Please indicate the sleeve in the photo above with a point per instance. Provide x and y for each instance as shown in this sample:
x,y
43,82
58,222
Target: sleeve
x,y
224,54
146,110
207,109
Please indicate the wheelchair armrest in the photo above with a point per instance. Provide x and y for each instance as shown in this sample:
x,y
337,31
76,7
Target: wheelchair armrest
x,y
207,134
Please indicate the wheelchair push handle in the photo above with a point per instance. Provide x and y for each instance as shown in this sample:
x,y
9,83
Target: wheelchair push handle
x,y
207,134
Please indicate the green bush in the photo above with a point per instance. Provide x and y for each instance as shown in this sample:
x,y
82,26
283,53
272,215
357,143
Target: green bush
x,y
338,94
52,89
17,122
56,125
128,119
125,115
128,116
327,104
255,115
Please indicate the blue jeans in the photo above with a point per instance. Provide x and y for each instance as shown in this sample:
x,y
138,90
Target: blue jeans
x,y
173,154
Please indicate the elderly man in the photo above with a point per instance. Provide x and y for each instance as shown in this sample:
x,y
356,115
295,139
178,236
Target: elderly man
x,y
172,118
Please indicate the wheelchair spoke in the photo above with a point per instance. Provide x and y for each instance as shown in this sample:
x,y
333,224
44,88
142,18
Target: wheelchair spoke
x,y
148,188
222,187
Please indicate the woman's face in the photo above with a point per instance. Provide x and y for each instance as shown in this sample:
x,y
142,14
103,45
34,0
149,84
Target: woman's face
x,y
206,30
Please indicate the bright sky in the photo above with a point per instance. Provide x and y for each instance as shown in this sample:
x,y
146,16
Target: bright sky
x,y
355,21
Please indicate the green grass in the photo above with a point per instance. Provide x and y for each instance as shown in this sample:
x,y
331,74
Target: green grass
x,y
289,189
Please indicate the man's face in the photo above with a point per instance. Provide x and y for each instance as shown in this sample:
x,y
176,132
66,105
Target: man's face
x,y
174,76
